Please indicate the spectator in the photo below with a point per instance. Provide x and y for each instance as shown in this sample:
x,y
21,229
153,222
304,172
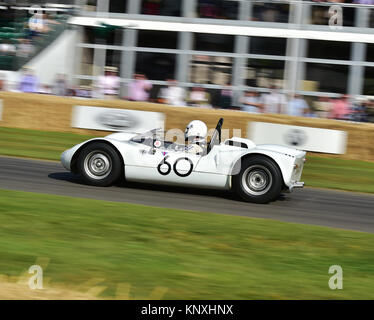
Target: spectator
x,y
109,83
151,7
173,94
207,9
36,24
139,88
49,23
368,2
225,98
359,111
8,48
2,81
341,108
25,48
369,108
83,92
217,9
252,102
322,107
198,97
309,112
275,102
45,89
29,82
269,14
60,86
297,106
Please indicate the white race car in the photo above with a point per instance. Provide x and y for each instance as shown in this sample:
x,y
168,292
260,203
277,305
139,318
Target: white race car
x,y
256,173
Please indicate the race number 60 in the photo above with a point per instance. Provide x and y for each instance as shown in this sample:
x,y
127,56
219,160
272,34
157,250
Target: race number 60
x,y
164,167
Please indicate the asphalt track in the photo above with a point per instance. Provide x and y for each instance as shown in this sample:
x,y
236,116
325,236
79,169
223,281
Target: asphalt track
x,y
335,209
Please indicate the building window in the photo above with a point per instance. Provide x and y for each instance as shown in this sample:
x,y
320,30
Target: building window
x,y
211,70
86,67
156,66
157,39
371,18
328,77
213,42
270,12
217,9
370,52
369,81
91,2
335,50
162,7
107,34
118,6
267,45
264,73
113,59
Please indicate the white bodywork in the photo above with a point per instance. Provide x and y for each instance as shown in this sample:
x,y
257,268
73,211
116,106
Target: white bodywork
x,y
143,163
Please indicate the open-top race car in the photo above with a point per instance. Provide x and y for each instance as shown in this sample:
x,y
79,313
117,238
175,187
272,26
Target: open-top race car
x,y
256,173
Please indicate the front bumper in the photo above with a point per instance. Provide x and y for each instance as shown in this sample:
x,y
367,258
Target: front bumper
x,y
66,159
296,185
67,156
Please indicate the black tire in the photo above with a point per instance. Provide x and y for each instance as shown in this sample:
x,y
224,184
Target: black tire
x,y
100,165
259,180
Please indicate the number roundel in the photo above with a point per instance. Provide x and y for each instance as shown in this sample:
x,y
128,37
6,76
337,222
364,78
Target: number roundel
x,y
183,174
164,167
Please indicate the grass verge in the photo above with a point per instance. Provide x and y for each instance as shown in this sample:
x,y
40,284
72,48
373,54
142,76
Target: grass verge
x,y
178,254
37,144
319,172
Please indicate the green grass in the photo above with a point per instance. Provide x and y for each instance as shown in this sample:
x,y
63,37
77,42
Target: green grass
x,y
318,172
351,175
37,144
193,255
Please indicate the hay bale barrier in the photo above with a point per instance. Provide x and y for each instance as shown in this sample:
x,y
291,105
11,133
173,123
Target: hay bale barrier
x,y
51,113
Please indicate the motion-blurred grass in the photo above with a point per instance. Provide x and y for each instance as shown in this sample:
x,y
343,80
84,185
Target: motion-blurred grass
x,y
351,175
37,144
190,255
318,172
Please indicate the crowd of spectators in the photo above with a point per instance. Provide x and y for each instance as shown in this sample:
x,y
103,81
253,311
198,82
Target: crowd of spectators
x,y
21,38
340,107
347,1
275,101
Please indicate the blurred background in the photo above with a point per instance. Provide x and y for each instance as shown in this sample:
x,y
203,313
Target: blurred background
x,y
302,58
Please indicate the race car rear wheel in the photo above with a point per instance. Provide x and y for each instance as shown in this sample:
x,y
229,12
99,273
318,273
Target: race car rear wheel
x,y
259,180
99,164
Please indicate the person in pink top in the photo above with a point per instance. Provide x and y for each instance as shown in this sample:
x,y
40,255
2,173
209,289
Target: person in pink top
x,y
109,83
341,108
139,88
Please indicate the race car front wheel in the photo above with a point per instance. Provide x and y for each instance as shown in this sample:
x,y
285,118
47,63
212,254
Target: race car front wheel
x,y
99,164
259,180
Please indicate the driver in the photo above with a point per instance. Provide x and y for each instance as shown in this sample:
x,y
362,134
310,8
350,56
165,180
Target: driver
x,y
195,137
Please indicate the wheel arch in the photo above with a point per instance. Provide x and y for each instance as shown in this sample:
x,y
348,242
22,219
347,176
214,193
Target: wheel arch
x,y
75,157
237,166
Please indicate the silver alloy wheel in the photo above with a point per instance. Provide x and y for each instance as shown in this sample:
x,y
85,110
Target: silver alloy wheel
x,y
97,165
257,180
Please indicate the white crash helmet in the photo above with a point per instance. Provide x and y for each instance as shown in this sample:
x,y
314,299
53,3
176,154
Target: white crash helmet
x,y
196,132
